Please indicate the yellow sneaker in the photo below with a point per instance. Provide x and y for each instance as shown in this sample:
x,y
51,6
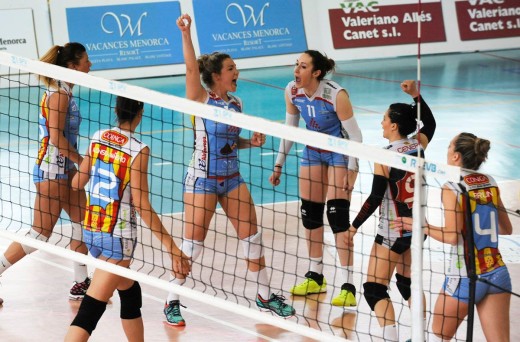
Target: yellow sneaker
x,y
309,286
345,298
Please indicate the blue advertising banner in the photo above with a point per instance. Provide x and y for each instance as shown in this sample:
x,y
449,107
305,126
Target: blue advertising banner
x,y
130,35
250,28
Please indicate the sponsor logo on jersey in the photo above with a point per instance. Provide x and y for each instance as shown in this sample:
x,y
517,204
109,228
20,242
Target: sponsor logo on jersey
x,y
476,179
408,147
114,137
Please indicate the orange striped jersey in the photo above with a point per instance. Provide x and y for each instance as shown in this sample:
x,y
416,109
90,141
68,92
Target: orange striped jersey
x,y
109,201
483,205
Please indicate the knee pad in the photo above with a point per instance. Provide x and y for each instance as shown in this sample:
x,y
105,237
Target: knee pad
x,y
77,231
192,248
374,292
89,313
338,215
35,235
403,285
253,248
312,214
131,302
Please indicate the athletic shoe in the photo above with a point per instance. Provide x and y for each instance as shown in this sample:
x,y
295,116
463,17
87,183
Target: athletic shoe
x,y
310,285
172,311
347,296
78,290
275,304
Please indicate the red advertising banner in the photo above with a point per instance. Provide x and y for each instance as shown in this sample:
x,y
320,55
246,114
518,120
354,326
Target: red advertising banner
x,y
375,25
486,19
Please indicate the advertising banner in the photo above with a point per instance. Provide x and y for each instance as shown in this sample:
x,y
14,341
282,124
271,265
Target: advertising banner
x,y
127,35
369,23
250,28
487,19
18,33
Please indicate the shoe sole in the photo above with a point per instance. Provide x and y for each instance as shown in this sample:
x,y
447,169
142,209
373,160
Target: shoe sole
x,y
308,293
273,312
72,297
180,324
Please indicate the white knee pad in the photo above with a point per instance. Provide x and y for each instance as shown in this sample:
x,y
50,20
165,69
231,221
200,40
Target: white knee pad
x,y
253,248
35,235
192,248
77,232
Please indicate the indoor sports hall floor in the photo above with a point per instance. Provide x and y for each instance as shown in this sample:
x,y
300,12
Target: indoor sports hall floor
x,y
476,92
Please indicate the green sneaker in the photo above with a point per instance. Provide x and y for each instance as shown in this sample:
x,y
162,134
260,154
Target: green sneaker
x,y
275,304
310,285
347,296
172,311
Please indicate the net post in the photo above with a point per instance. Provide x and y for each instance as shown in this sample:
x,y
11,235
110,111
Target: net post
x,y
417,305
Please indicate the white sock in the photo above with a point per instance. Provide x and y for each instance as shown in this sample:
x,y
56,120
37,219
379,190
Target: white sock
x,y
347,274
434,338
316,265
390,333
262,280
80,272
4,264
177,281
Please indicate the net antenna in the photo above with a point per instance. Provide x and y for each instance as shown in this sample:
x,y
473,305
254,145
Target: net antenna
x,y
416,287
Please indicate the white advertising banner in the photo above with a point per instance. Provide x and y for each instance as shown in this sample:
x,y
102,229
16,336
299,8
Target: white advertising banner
x,y
18,32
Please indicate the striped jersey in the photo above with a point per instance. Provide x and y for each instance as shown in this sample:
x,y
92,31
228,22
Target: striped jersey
x,y
109,201
483,204
49,158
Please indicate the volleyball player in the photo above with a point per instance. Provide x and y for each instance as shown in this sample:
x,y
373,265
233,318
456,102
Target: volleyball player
x,y
392,189
213,175
116,164
325,177
489,219
59,123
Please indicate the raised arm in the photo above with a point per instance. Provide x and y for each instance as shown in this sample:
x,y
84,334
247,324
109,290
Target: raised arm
x,y
141,200
194,89
429,124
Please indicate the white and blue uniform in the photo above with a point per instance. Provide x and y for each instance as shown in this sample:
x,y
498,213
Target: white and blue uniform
x,y
319,114
50,163
214,166
483,205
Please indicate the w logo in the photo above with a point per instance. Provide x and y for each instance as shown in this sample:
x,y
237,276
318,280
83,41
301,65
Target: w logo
x,y
247,13
111,17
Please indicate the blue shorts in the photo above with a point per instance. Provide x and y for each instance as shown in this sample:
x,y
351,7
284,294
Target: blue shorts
x,y
100,243
218,186
40,176
314,157
459,287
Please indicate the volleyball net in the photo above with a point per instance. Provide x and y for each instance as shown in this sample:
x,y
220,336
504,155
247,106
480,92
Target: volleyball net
x,y
218,276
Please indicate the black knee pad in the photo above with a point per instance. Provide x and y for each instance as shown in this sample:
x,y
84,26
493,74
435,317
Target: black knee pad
x,y
131,302
403,285
312,214
89,314
374,292
338,211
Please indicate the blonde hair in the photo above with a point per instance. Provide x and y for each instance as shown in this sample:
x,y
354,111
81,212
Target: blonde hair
x,y
64,56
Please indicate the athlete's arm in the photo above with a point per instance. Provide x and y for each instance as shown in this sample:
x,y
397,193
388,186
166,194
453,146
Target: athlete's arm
x,y
504,223
379,185
194,89
141,201
81,177
58,108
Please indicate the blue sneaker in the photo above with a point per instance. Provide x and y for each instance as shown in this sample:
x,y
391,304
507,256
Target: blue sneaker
x,y
276,304
172,311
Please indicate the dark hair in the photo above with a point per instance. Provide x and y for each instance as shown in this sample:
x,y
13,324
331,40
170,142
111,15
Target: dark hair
x,y
127,109
63,56
473,150
209,64
321,62
405,116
